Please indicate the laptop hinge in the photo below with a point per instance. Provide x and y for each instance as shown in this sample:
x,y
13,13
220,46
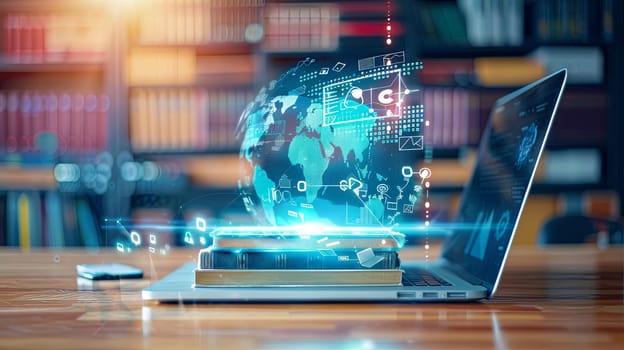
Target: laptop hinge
x,y
461,272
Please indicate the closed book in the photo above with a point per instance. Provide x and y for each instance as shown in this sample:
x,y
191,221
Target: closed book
x,y
90,125
54,220
250,239
86,224
103,105
52,113
3,122
77,121
253,259
13,122
26,140
211,278
507,71
64,122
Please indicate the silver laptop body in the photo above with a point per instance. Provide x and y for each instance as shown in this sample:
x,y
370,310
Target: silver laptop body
x,y
472,259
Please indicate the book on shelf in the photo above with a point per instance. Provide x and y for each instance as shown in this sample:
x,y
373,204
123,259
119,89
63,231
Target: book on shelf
x,y
566,20
225,277
185,119
38,38
27,115
47,219
453,117
198,22
493,23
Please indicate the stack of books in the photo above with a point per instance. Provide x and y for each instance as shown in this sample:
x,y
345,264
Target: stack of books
x,y
268,257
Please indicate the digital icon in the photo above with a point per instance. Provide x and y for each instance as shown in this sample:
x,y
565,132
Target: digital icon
x,y
407,171
367,258
284,182
381,60
363,98
202,240
424,173
338,66
408,208
391,205
324,71
120,247
135,238
410,143
302,186
200,224
382,189
352,184
188,238
503,222
152,238
529,136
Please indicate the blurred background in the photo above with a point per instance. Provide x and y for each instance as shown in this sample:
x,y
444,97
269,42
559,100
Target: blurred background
x,y
127,108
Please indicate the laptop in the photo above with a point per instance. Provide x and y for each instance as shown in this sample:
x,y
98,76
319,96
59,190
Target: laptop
x,y
472,258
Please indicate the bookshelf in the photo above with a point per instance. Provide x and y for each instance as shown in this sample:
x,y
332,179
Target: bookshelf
x,y
166,81
54,121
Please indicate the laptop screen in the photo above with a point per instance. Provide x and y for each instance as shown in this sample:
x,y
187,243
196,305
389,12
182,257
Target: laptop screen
x,y
493,198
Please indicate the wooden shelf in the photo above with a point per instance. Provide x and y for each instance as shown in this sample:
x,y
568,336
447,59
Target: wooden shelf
x,y
35,178
50,67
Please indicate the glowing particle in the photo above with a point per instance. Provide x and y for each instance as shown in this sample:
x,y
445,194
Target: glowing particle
x,y
427,204
331,244
152,238
388,41
388,128
427,223
427,184
388,27
426,123
407,91
383,241
426,246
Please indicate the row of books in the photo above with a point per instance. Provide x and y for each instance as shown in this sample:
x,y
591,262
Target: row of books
x,y
150,66
572,20
185,119
453,117
77,120
53,38
493,22
47,219
302,27
198,22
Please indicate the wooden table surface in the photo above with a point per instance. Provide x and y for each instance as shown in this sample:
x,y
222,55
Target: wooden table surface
x,y
551,298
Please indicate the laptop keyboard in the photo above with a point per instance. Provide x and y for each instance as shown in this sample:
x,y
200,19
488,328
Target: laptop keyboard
x,y
422,278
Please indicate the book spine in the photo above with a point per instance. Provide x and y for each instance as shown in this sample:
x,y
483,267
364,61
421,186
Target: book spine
x,y
86,224
90,124
56,234
26,123
13,122
77,118
3,122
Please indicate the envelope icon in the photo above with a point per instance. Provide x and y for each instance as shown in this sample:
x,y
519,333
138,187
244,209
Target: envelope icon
x,y
410,143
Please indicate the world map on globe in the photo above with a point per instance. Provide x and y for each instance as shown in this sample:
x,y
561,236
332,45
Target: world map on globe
x,y
332,143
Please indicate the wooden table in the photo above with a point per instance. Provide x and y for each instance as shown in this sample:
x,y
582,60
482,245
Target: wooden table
x,y
554,298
